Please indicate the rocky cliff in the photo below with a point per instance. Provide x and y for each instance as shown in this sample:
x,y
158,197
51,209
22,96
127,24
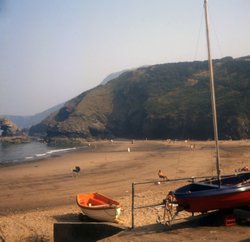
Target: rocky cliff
x,y
8,128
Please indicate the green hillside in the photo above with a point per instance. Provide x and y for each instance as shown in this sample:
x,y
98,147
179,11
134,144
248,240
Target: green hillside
x,y
161,101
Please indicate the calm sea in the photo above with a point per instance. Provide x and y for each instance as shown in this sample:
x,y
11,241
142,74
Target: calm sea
x,y
14,153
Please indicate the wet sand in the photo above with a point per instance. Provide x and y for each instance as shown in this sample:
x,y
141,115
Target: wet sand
x,y
37,194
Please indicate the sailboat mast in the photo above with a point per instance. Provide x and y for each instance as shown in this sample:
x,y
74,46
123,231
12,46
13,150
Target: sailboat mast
x,y
211,72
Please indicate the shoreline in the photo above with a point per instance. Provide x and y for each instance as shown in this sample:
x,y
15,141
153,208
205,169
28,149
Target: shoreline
x,y
41,193
48,152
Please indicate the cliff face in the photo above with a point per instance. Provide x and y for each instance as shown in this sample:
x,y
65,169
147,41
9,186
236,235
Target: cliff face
x,y
84,116
160,101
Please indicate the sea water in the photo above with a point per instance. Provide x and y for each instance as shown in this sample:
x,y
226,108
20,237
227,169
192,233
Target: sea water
x,y
16,153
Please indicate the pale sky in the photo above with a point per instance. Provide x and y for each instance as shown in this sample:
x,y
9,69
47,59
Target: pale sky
x,y
53,50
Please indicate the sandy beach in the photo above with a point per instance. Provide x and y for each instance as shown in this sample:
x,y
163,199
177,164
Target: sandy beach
x,y
37,194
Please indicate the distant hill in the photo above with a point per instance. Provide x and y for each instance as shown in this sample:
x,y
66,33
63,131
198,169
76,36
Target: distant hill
x,y
160,101
25,122
112,76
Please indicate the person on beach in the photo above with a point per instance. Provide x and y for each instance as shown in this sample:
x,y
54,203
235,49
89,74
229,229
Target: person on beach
x,y
161,175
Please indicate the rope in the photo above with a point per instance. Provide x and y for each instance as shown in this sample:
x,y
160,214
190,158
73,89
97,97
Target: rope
x,y
199,35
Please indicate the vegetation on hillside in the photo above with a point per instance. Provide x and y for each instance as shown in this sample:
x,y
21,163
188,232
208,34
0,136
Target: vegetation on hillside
x,y
161,101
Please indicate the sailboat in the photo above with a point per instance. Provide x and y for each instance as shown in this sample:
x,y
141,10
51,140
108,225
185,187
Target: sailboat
x,y
221,192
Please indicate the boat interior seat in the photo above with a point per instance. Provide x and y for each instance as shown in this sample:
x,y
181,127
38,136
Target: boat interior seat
x,y
95,201
198,186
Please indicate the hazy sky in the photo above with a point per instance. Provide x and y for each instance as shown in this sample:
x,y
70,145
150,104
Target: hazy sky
x,y
53,50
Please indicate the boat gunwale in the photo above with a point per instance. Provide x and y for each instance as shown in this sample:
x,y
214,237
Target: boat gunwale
x,y
215,190
99,207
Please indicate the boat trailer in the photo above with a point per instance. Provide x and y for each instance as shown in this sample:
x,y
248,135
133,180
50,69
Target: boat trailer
x,y
169,204
171,208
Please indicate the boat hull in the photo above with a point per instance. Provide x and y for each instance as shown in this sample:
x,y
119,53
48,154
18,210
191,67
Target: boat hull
x,y
99,207
203,197
105,215
213,202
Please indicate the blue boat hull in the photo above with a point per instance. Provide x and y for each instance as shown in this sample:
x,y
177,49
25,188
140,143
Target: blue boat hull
x,y
234,192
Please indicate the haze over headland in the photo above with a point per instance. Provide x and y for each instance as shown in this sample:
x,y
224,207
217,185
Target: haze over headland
x,y
52,51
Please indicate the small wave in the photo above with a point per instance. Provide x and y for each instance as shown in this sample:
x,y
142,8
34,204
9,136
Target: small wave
x,y
29,157
48,153
60,150
39,155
